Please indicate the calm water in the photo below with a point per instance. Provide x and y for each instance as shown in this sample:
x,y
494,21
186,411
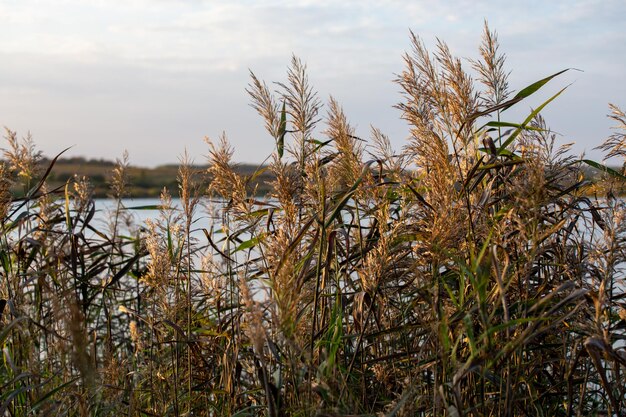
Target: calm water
x,y
142,209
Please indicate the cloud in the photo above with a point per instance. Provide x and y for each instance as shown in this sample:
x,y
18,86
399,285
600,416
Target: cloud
x,y
155,65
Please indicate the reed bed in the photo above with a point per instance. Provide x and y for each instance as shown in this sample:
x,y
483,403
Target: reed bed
x,y
473,272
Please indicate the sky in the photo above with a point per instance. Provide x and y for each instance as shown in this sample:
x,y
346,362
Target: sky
x,y
155,77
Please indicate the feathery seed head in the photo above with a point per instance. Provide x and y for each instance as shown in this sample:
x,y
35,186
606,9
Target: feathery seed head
x,y
21,156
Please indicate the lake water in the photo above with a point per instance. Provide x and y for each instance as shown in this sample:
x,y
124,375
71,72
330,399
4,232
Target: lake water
x,y
142,209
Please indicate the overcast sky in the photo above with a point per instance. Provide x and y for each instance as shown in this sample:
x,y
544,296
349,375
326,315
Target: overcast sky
x,y
157,76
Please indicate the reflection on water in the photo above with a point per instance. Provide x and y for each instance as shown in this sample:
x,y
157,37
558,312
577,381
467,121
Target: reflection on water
x,y
136,211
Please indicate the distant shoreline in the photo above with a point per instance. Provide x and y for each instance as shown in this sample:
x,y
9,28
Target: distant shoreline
x,y
142,182
145,183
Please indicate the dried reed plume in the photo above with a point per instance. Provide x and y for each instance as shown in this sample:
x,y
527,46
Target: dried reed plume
x,y
479,270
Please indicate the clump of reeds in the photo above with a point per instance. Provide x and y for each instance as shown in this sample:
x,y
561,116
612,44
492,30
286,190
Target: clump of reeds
x,y
472,272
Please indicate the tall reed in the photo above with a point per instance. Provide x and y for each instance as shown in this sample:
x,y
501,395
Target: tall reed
x,y
475,271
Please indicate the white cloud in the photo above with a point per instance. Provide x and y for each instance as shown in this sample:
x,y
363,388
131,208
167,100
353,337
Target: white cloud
x,y
151,54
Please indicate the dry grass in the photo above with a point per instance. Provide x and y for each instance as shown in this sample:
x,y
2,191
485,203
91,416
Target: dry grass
x,y
470,273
